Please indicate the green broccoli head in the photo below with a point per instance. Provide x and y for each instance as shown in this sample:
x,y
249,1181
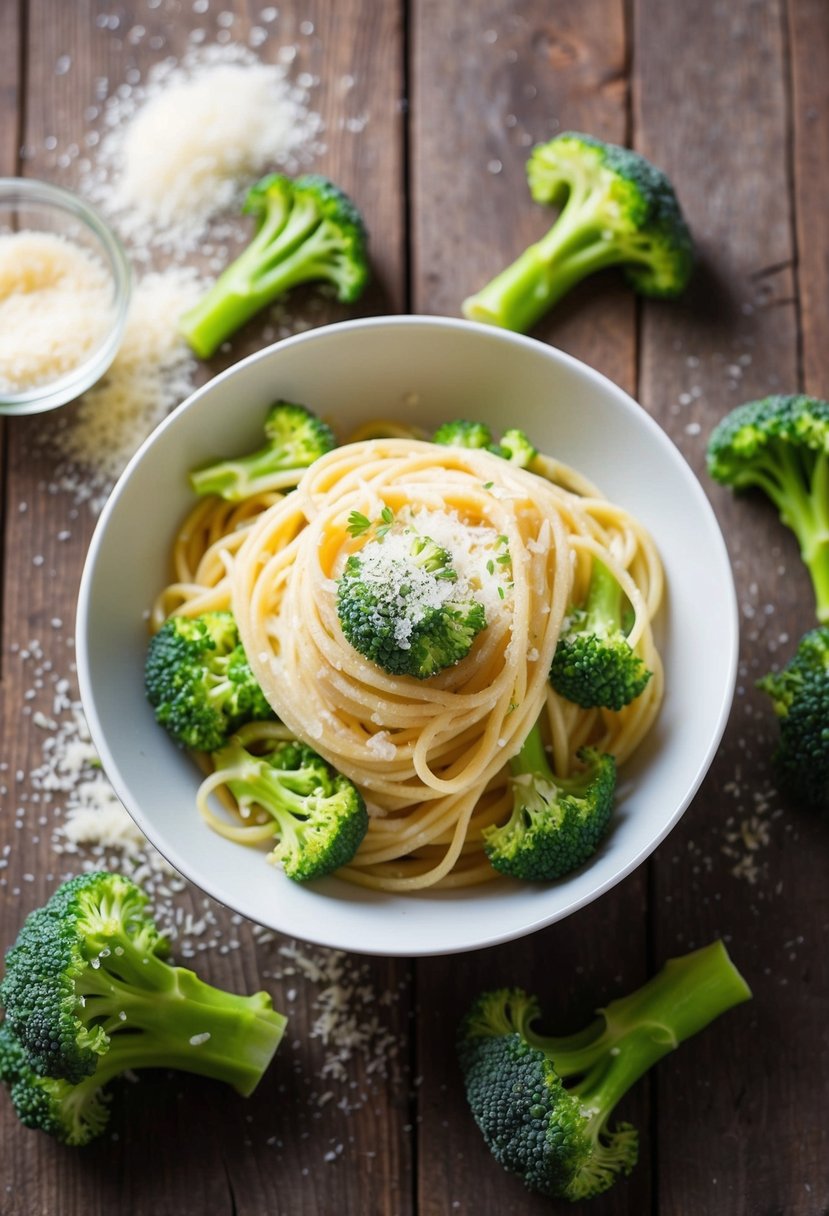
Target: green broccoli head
x,y
544,1103
616,209
780,445
556,823
294,437
308,230
514,446
517,448
88,995
320,817
800,696
461,433
72,1114
199,682
522,1108
399,608
593,664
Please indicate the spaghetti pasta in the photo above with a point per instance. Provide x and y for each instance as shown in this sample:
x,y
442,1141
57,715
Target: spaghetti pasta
x,y
429,756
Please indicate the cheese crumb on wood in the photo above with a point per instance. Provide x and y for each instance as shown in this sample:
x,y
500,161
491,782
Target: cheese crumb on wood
x,y
152,372
56,308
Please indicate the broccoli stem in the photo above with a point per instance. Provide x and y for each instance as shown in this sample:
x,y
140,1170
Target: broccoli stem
x,y
174,1009
277,259
574,248
802,498
633,1032
604,601
532,757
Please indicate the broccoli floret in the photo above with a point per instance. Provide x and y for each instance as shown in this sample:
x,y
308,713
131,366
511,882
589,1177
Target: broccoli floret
x,y
780,444
544,1103
800,695
88,995
319,816
399,608
73,1114
616,209
556,823
515,446
294,437
461,433
593,664
308,230
198,680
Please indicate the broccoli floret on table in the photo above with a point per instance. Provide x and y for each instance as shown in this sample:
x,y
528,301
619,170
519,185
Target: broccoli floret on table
x,y
556,823
544,1103
514,446
800,695
294,439
73,1114
593,664
89,995
199,682
398,607
308,230
780,445
616,209
319,815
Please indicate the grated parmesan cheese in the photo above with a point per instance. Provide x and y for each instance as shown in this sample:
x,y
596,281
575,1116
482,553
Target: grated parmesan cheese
x,y
153,371
186,145
56,308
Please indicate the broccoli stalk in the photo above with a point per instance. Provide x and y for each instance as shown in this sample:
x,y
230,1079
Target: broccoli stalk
x,y
593,664
319,815
800,696
88,995
307,230
399,607
544,1103
294,439
556,823
198,680
617,208
780,445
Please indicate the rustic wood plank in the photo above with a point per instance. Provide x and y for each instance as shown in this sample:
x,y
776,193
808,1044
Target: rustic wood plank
x,y
711,107
181,1145
487,82
809,43
10,31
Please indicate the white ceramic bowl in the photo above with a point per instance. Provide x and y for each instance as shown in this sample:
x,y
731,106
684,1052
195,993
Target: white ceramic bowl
x,y
423,369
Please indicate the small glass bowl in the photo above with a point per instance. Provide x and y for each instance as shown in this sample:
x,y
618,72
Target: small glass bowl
x,y
37,206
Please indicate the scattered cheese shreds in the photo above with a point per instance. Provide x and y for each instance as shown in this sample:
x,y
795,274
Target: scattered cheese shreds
x,y
152,372
56,308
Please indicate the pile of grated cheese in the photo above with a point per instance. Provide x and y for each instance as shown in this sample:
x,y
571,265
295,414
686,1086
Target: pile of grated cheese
x,y
186,145
56,308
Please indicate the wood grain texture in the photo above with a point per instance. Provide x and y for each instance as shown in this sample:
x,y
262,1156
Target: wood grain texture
x,y
180,1145
809,46
487,82
742,1087
11,30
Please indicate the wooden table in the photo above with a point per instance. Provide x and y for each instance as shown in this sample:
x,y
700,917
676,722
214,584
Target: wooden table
x,y
732,99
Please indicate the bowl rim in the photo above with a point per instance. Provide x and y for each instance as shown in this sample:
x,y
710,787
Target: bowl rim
x,y
205,882
69,386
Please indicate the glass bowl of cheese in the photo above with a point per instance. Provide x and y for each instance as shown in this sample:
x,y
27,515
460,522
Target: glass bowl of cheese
x,y
64,295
